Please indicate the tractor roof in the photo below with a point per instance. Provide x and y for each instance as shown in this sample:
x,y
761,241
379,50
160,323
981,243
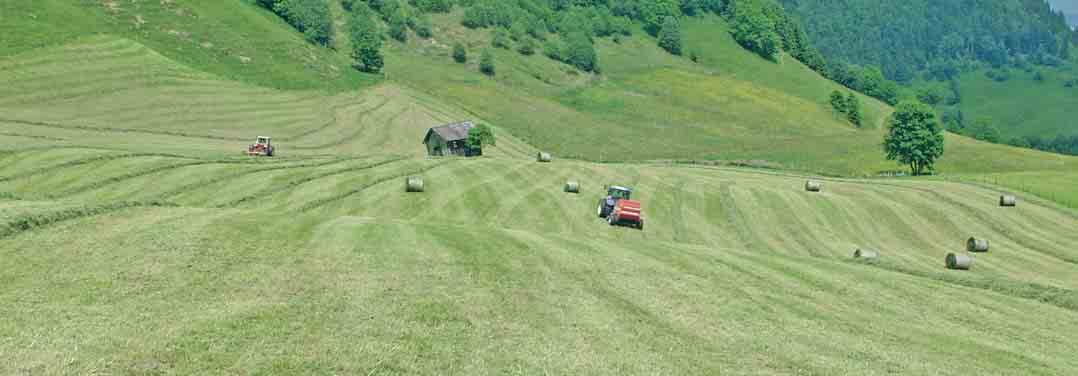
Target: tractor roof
x,y
620,188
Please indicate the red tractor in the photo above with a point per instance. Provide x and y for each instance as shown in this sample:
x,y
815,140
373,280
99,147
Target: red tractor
x,y
619,209
261,147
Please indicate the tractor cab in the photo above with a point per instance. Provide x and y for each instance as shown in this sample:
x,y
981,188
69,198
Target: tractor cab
x,y
263,146
619,193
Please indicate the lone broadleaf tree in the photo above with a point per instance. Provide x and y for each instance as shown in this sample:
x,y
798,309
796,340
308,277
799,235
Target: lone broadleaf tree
x,y
479,136
914,137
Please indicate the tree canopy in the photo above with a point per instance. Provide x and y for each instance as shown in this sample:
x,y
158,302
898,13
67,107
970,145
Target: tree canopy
x,y
914,137
366,39
486,63
310,17
760,25
460,54
670,36
479,136
903,37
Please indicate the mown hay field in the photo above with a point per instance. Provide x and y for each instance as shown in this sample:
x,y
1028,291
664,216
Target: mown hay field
x,y
327,265
135,238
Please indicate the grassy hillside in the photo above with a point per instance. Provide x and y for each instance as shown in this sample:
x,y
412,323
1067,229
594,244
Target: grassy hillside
x,y
913,39
1023,106
231,39
135,238
648,105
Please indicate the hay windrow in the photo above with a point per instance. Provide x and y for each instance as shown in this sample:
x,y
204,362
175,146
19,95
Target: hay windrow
x,y
86,161
325,201
28,222
295,183
1056,296
92,128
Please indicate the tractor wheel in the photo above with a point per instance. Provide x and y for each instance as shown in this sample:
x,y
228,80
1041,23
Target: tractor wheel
x,y
610,220
640,225
603,211
269,152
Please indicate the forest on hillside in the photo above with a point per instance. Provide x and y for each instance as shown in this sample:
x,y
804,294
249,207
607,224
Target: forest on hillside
x,y
930,45
565,30
876,48
909,36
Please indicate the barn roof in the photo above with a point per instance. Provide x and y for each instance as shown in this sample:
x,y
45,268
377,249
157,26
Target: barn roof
x,y
450,132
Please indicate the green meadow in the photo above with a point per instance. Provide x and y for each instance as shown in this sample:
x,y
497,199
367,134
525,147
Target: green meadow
x,y
136,238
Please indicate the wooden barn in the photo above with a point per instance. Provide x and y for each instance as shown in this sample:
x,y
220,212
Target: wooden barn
x,y
450,139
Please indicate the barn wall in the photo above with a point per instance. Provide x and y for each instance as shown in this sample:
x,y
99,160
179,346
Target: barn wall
x,y
435,143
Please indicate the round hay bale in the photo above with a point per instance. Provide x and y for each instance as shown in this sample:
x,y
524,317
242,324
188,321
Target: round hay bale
x,y
976,245
813,186
1007,201
957,261
866,254
572,187
414,184
543,157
